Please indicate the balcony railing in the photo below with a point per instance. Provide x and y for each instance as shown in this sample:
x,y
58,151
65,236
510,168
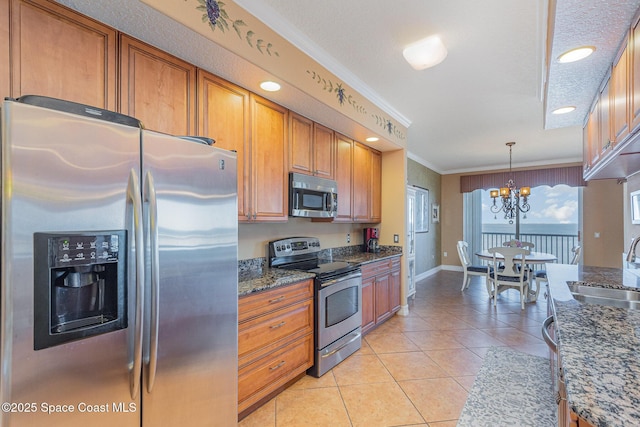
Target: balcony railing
x,y
559,245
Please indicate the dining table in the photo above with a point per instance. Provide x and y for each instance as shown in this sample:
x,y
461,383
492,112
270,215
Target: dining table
x,y
532,259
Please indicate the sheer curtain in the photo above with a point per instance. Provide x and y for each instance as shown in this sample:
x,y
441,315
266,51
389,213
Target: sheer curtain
x,y
472,223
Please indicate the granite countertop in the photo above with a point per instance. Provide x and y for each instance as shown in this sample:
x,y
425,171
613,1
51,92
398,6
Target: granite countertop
x,y
599,346
254,275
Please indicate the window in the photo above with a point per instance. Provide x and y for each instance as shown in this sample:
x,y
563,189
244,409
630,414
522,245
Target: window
x,y
552,223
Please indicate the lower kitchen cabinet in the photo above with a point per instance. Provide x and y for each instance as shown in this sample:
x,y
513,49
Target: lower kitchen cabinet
x,y
576,421
275,342
380,292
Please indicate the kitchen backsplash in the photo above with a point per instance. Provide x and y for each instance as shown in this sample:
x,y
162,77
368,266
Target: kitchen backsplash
x,y
259,263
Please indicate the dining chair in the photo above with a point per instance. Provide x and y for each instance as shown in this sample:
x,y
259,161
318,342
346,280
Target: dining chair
x,y
540,276
468,269
512,276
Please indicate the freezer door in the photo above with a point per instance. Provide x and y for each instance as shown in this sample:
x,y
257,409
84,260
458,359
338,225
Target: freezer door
x,y
190,204
61,173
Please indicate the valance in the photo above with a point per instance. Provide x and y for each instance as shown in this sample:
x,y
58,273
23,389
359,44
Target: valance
x,y
571,176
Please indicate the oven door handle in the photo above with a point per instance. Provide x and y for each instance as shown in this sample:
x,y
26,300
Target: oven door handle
x,y
341,279
335,350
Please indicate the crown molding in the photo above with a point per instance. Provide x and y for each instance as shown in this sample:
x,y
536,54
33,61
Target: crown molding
x,y
277,23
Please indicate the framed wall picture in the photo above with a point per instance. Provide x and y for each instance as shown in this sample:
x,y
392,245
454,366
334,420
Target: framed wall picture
x,y
422,210
635,207
435,213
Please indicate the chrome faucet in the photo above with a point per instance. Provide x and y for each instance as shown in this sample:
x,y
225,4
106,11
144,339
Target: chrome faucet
x,y
631,255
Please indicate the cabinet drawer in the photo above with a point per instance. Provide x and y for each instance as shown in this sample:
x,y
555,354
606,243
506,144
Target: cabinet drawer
x,y
374,268
268,373
258,304
264,332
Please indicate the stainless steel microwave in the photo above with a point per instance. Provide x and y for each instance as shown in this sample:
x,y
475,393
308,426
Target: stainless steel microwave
x,y
312,197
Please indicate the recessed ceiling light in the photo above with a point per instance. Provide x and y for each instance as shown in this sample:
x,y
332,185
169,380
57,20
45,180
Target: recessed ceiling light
x,y
563,110
576,54
372,139
270,86
425,53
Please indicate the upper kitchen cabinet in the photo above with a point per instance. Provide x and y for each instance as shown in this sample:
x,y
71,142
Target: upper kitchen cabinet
x,y
367,184
620,97
324,149
311,147
361,182
223,115
376,187
157,88
604,121
57,52
359,177
596,131
268,178
618,155
634,76
344,178
5,69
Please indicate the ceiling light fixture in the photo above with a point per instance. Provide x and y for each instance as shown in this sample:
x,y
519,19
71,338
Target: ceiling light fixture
x,y
563,110
270,86
425,53
576,54
372,139
512,197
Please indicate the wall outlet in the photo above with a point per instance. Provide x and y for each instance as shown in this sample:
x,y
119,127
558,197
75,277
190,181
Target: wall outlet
x,y
396,238
596,235
444,254
348,238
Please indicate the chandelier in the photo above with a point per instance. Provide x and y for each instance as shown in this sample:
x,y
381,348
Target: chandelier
x,y
514,199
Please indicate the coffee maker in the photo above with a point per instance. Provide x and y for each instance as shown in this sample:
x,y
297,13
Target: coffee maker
x,y
371,237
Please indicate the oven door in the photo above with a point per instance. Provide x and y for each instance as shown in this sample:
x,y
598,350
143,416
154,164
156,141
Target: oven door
x,y
338,308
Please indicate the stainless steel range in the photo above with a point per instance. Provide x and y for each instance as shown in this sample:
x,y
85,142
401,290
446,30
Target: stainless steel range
x,y
338,299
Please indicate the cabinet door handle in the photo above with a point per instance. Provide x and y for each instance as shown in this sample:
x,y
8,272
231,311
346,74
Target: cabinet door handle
x,y
248,216
278,366
275,300
279,325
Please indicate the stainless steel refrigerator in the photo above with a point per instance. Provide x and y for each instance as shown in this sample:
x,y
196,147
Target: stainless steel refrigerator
x,y
119,272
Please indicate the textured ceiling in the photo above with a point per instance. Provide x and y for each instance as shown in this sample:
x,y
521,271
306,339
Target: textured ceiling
x,y
460,114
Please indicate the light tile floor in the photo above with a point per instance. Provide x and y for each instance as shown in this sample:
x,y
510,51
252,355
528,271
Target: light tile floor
x,y
414,370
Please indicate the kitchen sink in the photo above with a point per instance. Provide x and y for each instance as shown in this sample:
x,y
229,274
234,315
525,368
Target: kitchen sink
x,y
622,298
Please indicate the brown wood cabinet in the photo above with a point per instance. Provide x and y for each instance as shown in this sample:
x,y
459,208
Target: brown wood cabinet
x,y
324,151
51,50
634,76
577,421
5,64
361,182
604,120
275,342
223,114
375,195
300,144
344,178
157,88
380,292
268,181
620,97
57,52
615,154
359,178
311,147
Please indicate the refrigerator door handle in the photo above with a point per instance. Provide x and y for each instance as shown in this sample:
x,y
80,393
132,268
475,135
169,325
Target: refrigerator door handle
x,y
150,198
135,198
